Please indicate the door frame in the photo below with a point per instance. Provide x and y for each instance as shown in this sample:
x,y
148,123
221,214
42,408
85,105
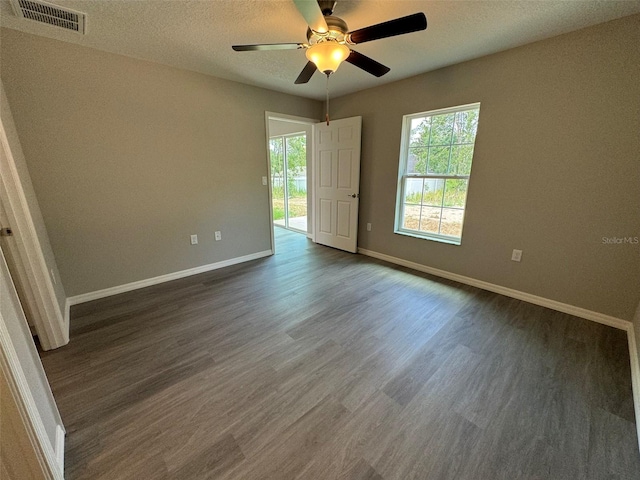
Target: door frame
x,y
306,122
51,325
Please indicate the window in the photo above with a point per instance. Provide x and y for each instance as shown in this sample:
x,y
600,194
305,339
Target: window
x,y
435,165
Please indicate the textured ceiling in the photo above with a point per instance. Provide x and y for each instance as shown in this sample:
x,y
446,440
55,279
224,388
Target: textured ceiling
x,y
197,34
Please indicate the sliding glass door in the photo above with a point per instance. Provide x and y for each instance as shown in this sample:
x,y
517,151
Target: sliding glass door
x,y
289,180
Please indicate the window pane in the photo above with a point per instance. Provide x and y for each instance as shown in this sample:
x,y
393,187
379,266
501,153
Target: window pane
x,y
441,129
413,190
466,124
430,221
417,161
420,129
451,222
411,218
433,190
455,193
461,156
439,160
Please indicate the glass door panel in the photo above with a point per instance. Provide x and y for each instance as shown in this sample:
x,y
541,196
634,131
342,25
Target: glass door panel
x,y
278,184
288,156
296,180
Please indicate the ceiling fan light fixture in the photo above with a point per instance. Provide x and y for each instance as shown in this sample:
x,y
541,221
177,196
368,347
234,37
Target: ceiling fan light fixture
x,y
327,55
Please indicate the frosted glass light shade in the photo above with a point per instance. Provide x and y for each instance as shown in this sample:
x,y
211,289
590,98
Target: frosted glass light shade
x,y
327,55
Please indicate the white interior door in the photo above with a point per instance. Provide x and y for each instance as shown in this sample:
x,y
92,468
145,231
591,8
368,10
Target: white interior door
x,y
337,182
28,383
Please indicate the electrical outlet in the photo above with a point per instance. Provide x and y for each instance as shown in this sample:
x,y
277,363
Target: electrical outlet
x,y
368,227
264,180
516,256
218,236
194,239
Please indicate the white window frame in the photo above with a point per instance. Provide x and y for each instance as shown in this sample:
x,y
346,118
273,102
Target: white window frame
x,y
402,175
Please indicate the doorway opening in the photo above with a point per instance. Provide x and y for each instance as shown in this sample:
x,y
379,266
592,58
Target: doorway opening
x,y
289,181
289,149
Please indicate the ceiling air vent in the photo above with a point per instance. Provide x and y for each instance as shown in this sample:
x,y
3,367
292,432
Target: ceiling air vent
x,y
50,14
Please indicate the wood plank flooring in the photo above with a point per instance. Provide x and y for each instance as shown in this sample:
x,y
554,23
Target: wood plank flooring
x,y
319,364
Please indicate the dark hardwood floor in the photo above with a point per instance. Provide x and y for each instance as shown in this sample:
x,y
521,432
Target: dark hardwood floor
x,y
319,364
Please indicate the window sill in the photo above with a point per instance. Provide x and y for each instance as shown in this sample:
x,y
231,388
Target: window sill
x,y
434,238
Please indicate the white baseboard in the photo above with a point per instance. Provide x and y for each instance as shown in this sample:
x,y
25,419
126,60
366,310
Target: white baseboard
x,y
509,292
107,292
544,302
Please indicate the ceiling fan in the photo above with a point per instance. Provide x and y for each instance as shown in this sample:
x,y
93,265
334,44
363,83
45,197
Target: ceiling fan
x,y
329,40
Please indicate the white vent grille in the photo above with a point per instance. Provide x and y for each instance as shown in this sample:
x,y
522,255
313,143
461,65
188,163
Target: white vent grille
x,y
50,14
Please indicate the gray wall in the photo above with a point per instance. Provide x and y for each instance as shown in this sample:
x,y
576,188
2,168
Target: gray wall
x,y
556,166
279,127
30,195
129,158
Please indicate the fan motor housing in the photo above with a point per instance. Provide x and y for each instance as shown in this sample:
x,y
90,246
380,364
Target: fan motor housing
x,y
338,30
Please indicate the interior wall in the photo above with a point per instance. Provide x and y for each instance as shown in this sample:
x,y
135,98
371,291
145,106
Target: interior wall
x,y
280,127
555,170
129,158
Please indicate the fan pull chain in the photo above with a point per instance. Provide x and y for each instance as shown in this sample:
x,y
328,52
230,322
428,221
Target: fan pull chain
x,y
327,115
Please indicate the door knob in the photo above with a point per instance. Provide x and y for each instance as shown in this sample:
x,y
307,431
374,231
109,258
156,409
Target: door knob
x,y
354,195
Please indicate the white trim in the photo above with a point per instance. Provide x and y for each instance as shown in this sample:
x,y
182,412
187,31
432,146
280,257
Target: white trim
x,y
67,313
48,319
127,287
60,434
509,292
635,375
19,387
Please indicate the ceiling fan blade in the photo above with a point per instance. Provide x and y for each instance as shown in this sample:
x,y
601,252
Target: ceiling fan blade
x,y
399,26
267,46
306,73
367,64
312,14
